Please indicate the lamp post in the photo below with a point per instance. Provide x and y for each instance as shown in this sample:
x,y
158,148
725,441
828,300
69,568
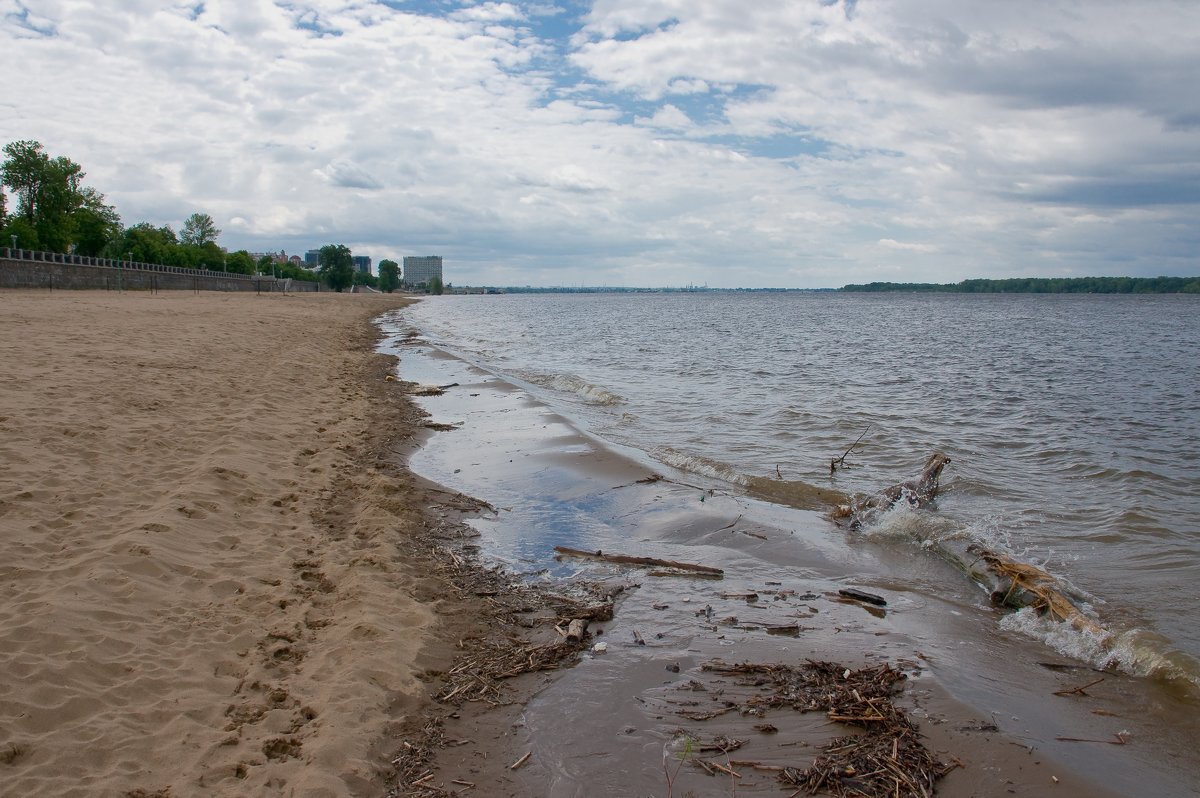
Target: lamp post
x,y
13,237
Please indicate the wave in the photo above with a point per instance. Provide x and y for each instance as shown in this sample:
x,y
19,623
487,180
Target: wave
x,y
695,464
1136,652
571,384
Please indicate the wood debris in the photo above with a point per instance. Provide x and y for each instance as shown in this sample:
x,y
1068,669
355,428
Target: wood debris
x,y
862,595
625,559
523,618
886,759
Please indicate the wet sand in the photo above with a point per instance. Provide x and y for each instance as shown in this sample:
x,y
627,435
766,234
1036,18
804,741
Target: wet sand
x,y
208,584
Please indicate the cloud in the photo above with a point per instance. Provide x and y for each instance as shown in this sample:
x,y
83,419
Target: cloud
x,y
348,175
888,243
667,117
651,141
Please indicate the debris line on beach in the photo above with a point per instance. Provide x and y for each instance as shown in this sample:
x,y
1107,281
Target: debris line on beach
x,y
886,759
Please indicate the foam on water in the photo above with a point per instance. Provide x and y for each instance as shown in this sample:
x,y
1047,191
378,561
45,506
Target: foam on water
x,y
1136,652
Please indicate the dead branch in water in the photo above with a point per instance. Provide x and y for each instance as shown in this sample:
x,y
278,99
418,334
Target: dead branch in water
x,y
624,559
833,464
1081,690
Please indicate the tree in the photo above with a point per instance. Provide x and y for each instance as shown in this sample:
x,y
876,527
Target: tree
x,y
57,212
389,276
337,266
48,190
435,286
146,243
96,224
205,256
239,262
199,229
27,237
25,171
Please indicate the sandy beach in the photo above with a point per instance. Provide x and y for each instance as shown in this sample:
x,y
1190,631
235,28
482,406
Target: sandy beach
x,y
221,578
205,588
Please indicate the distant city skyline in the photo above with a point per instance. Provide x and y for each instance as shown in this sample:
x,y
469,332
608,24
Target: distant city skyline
x,y
779,143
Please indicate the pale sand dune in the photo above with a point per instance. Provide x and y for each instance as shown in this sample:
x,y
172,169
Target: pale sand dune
x,y
202,591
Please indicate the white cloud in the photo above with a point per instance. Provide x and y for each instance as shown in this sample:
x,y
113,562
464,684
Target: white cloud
x,y
888,243
725,142
488,12
668,117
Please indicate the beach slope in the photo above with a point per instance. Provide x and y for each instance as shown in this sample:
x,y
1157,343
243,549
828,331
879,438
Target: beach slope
x,y
203,588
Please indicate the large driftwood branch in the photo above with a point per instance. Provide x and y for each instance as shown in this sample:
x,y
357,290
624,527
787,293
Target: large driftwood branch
x,y
1009,582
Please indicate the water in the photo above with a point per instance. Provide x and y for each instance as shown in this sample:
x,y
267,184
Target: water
x,y
1073,422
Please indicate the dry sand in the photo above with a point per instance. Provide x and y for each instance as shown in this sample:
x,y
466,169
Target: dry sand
x,y
205,586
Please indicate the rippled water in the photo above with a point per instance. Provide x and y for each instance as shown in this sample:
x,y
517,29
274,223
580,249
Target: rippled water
x,y
1073,422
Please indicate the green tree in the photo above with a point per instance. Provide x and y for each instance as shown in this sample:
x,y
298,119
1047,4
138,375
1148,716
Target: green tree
x,y
96,224
48,192
199,229
27,237
56,210
435,285
389,276
25,171
146,243
337,266
365,278
204,256
239,262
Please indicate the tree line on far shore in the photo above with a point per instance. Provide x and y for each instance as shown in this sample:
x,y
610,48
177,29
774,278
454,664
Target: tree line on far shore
x,y
53,211
1045,285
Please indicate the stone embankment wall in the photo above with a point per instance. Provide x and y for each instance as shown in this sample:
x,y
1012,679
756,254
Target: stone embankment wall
x,y
22,268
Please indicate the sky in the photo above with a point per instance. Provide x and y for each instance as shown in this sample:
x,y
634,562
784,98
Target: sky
x,y
728,143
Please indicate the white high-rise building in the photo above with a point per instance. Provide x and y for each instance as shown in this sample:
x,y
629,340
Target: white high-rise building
x,y
420,270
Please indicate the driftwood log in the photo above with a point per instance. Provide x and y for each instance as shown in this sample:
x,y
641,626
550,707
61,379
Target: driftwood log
x,y
624,559
919,492
1009,582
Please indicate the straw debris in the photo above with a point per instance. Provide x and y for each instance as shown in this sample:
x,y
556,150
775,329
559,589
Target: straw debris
x,y
886,758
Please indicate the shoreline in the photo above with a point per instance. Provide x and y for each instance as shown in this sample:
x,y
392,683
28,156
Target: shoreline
x,y
1002,754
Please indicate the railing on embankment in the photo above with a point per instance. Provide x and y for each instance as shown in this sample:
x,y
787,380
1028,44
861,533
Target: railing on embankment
x,y
24,268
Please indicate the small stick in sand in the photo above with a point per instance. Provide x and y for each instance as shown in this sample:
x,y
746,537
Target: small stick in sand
x,y
521,761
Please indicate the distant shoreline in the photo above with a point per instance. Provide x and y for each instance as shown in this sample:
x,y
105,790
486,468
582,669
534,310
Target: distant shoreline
x,y
1026,285
1044,285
